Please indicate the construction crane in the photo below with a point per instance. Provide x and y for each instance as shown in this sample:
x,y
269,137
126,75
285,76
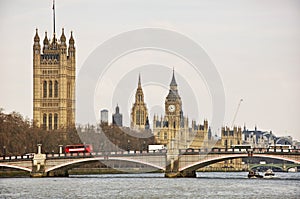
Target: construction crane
x,y
236,112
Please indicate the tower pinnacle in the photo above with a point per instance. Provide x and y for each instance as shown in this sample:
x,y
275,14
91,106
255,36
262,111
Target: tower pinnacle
x,y
173,81
139,82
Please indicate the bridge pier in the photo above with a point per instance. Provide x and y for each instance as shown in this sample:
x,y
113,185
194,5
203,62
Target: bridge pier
x,y
172,168
181,174
38,163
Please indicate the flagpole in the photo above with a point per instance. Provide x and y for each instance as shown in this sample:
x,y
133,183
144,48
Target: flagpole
x,y
53,8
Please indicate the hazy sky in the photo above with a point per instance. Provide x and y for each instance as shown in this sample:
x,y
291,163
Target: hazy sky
x,y
254,44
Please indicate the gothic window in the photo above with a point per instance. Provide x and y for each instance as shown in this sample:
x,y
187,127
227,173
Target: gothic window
x,y
55,121
50,121
165,136
138,117
50,88
45,89
68,90
140,98
44,121
142,117
56,88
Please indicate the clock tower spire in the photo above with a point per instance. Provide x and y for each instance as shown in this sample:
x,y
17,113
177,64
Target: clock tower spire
x,y
173,104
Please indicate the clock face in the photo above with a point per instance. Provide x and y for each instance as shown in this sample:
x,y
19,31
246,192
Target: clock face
x,y
171,108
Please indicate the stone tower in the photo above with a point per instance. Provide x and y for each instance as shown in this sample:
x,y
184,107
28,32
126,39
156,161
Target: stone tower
x,y
173,106
117,118
54,68
139,113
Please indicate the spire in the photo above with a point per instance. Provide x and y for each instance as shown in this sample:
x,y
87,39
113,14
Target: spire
x,y
46,41
173,92
139,82
36,37
173,81
71,41
63,37
117,109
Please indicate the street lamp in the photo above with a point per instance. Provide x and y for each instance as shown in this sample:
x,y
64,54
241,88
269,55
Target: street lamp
x,y
144,144
128,145
4,151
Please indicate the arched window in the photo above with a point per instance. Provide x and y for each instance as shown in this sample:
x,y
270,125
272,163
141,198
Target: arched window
x,y
56,88
50,121
138,117
55,121
45,89
142,117
50,88
44,121
68,90
165,136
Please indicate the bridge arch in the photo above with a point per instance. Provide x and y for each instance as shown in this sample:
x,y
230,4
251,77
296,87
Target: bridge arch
x,y
102,159
267,165
202,163
15,167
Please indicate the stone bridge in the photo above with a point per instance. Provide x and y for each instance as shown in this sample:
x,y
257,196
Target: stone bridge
x,y
191,160
180,163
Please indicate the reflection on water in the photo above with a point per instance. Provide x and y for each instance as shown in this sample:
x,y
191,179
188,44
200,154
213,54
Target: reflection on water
x,y
206,185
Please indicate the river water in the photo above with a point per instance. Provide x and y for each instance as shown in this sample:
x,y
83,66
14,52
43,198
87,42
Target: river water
x,y
206,185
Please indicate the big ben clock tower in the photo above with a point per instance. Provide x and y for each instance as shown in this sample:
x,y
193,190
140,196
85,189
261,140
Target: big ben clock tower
x,y
173,109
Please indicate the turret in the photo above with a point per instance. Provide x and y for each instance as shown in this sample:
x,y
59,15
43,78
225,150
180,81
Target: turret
x,y
71,50
54,44
63,38
36,38
36,45
46,43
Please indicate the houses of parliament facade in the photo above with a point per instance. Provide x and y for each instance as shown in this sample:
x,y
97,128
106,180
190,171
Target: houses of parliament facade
x,y
174,126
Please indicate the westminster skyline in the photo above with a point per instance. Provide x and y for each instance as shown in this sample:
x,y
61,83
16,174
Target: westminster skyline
x,y
253,45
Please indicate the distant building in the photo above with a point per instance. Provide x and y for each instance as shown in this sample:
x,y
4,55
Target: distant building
x,y
117,118
229,138
104,116
257,138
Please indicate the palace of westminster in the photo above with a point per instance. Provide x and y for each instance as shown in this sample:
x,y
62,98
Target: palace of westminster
x,y
54,66
54,80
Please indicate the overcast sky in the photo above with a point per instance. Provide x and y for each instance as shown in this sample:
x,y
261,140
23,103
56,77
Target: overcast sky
x,y
254,45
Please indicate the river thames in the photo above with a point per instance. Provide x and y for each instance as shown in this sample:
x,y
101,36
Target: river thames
x,y
206,185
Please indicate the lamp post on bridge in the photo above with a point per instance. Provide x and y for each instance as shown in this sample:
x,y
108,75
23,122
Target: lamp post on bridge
x,y
128,145
39,148
4,151
60,149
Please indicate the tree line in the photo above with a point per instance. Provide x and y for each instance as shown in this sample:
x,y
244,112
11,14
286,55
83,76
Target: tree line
x,y
19,136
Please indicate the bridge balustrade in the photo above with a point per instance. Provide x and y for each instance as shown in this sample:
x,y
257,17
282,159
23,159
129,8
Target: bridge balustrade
x,y
16,157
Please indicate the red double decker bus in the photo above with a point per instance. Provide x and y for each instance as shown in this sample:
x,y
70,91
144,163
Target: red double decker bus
x,y
79,148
